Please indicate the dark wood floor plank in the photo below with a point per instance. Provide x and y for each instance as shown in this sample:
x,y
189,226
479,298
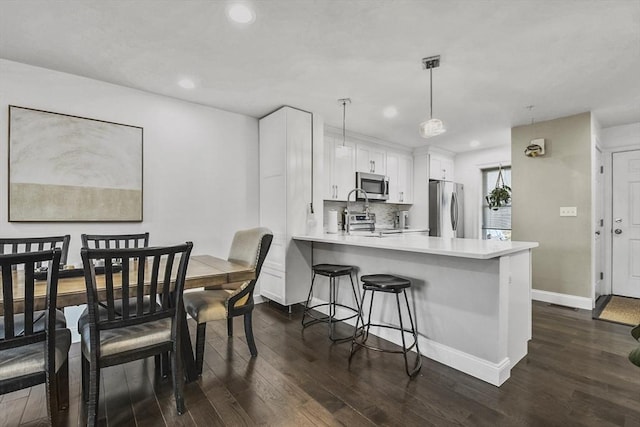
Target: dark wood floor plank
x,y
576,373
36,407
119,410
143,399
11,410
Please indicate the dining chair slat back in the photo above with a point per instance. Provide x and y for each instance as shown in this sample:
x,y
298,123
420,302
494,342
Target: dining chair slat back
x,y
115,241
136,317
13,245
32,349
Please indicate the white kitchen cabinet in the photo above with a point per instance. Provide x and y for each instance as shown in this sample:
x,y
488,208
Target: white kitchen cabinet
x,y
285,195
340,167
370,159
440,167
400,173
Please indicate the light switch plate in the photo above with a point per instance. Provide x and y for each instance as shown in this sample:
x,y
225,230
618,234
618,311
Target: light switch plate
x,y
568,211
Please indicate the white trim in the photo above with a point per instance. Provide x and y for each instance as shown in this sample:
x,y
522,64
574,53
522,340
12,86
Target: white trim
x,y
493,373
562,299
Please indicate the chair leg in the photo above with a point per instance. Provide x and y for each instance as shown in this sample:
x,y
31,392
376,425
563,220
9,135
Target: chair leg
x,y
248,331
94,388
85,378
62,379
178,376
51,385
229,326
306,304
200,341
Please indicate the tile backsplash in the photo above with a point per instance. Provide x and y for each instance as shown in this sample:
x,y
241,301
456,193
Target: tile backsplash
x,y
385,212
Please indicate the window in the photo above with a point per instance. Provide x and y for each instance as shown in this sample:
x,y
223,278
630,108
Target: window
x,y
496,224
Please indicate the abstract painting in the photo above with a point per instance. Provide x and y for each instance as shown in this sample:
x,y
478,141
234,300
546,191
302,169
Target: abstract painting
x,y
68,168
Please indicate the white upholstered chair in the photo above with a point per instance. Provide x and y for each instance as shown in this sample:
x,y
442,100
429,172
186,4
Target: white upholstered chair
x,y
236,299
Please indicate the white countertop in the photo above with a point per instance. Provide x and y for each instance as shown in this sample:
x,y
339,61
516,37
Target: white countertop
x,y
421,243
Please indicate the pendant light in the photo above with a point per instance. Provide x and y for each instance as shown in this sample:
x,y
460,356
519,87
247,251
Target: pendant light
x,y
344,102
431,127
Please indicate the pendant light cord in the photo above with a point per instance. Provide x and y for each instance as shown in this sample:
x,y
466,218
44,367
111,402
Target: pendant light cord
x,y
344,120
430,93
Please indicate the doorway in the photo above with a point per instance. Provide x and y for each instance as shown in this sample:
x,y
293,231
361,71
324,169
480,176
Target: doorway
x,y
625,225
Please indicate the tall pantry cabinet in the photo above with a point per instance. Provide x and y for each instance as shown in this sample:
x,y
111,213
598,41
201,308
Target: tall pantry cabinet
x,y
286,137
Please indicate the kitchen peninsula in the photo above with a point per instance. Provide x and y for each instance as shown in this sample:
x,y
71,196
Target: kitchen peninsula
x,y
471,298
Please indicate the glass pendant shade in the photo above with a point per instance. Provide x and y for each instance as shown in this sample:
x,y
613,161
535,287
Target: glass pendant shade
x,y
431,127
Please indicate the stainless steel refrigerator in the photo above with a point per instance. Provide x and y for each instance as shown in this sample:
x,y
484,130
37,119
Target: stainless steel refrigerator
x,y
446,209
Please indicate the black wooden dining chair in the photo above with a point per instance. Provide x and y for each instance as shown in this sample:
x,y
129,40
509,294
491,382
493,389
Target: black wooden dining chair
x,y
32,350
115,241
111,337
235,299
12,245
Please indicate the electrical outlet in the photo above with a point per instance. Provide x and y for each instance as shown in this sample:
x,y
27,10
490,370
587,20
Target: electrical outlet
x,y
568,211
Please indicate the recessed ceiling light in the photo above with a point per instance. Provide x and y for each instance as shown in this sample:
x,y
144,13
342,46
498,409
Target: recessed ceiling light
x,y
390,112
241,13
474,143
186,83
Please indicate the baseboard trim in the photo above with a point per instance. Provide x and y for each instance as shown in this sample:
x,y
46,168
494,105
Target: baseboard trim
x,y
562,299
493,373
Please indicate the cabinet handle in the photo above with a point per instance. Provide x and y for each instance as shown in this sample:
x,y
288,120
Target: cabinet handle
x,y
402,196
336,193
374,166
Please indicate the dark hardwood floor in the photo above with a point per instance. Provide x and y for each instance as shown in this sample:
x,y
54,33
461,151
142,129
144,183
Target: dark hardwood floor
x,y
576,373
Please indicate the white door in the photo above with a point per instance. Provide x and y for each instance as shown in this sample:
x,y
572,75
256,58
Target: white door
x,y
626,224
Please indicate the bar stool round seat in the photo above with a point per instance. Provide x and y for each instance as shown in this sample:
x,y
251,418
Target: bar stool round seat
x,y
332,271
386,283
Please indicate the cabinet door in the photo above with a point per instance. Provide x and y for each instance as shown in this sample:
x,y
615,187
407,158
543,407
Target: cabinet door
x,y
370,160
400,172
440,168
393,171
329,155
405,179
344,177
447,169
339,166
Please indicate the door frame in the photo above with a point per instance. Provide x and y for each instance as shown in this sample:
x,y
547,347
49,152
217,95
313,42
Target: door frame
x,y
607,285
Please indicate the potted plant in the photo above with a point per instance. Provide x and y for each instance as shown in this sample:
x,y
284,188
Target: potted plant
x,y
500,195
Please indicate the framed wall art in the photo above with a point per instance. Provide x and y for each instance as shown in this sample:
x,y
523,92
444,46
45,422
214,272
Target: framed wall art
x,y
73,169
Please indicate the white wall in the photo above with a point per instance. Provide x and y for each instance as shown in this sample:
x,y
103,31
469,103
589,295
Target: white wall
x,y
200,163
468,167
626,136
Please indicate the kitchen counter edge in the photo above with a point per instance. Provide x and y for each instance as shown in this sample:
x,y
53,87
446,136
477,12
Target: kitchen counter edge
x,y
463,248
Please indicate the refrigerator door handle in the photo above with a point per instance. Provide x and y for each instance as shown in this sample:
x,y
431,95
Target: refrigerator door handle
x,y
454,212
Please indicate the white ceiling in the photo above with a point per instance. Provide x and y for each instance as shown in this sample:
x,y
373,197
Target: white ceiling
x,y
498,56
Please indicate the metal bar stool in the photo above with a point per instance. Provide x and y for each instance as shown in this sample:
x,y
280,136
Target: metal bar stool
x,y
388,284
331,271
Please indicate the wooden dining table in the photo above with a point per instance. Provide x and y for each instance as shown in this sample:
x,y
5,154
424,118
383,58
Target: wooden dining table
x,y
203,270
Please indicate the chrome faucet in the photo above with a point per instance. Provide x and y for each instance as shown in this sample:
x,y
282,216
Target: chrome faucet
x,y
347,221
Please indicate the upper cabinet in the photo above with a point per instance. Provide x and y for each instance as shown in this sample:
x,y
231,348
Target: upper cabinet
x,y
343,160
440,167
340,168
400,173
370,159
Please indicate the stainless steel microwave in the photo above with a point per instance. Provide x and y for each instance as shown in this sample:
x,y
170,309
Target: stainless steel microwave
x,y
376,186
